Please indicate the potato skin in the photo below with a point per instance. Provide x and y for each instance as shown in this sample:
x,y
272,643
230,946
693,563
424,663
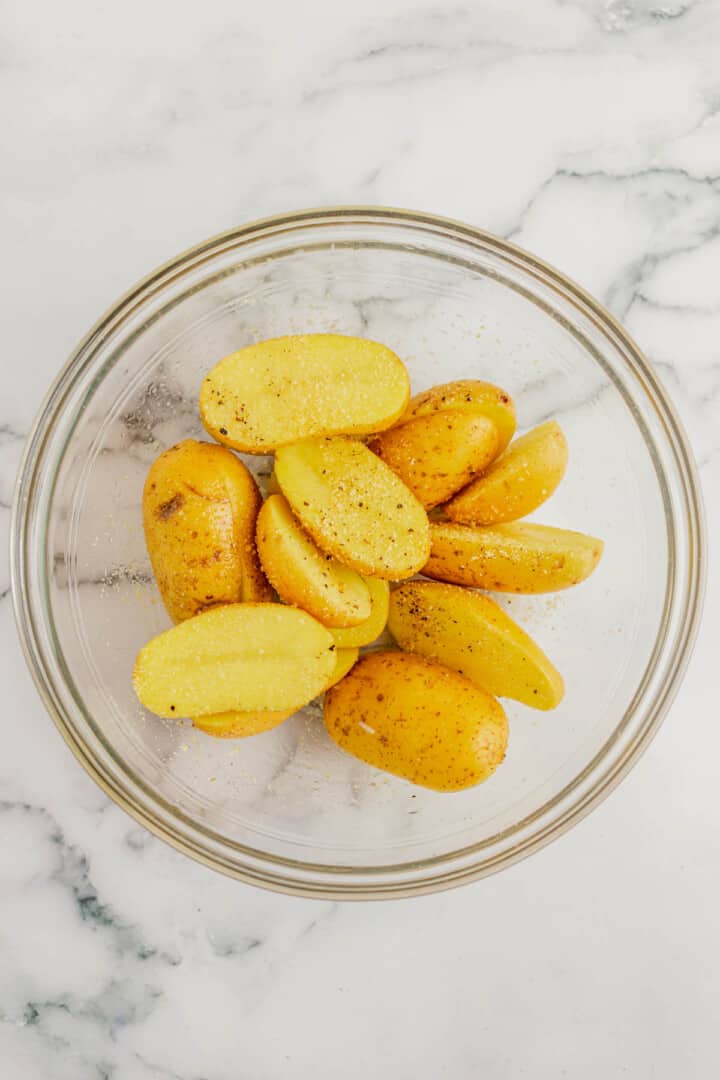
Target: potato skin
x,y
199,509
239,658
437,455
418,720
354,506
470,633
286,389
470,395
518,557
516,483
303,575
239,725
370,630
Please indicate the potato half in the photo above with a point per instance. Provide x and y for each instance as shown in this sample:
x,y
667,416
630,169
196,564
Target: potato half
x,y
469,395
290,388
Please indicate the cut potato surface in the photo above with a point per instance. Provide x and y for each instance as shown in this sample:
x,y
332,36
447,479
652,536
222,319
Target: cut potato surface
x,y
238,725
305,576
241,657
370,630
200,505
354,506
518,482
436,455
473,635
417,719
470,395
518,557
290,388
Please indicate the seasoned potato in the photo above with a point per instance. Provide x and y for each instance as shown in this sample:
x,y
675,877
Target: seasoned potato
x,y
517,557
240,657
290,388
469,395
199,509
238,725
469,632
516,483
354,507
367,632
436,455
305,576
417,719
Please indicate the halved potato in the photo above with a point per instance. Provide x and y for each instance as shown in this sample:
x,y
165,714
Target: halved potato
x,y
239,658
516,483
370,630
305,576
436,455
354,506
200,504
470,633
238,725
290,388
469,395
517,557
418,720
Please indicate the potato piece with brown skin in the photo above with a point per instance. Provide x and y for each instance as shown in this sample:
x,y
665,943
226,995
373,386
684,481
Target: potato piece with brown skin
x,y
516,483
470,633
354,507
240,658
370,630
303,575
471,395
200,504
436,455
417,719
239,725
280,391
518,557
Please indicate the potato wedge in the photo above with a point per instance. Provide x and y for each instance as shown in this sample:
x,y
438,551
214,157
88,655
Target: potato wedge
x,y
370,630
518,557
516,483
199,509
436,455
470,633
303,575
240,657
418,720
290,388
470,395
354,506
238,725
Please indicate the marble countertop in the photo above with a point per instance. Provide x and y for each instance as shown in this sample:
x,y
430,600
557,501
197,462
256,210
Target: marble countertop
x,y
585,130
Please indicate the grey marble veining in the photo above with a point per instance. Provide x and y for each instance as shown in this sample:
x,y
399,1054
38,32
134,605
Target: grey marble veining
x,y
585,130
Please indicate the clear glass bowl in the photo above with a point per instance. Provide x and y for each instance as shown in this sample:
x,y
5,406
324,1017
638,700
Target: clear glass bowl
x,y
287,809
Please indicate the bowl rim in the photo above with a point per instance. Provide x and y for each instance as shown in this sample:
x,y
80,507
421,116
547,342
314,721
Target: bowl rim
x,y
340,883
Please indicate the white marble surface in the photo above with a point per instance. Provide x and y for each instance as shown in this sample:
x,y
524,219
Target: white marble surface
x,y
588,131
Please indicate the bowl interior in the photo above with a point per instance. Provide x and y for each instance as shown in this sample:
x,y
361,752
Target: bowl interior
x,y
451,310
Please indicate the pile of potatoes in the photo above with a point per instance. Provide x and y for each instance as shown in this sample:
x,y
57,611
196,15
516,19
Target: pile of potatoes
x,y
369,487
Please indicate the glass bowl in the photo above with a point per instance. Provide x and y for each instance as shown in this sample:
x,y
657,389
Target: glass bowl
x,y
287,809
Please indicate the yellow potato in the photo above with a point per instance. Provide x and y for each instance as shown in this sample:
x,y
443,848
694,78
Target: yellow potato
x,y
240,657
516,483
473,635
367,632
238,725
290,388
354,507
199,509
468,395
517,557
418,720
436,455
305,576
